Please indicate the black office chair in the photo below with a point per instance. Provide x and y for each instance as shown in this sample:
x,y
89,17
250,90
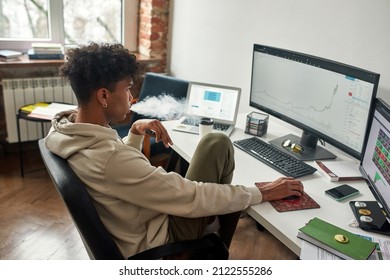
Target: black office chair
x,y
155,84
97,240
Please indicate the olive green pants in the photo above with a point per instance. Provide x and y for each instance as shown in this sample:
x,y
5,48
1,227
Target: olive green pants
x,y
213,161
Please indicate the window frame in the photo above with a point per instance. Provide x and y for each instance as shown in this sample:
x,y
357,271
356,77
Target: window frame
x,y
56,29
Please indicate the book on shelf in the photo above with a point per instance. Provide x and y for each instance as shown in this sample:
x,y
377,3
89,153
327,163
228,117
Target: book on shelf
x,y
47,48
339,170
49,51
9,55
336,240
2,59
33,55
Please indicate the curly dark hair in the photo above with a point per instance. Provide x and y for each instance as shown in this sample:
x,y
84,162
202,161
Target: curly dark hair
x,y
93,66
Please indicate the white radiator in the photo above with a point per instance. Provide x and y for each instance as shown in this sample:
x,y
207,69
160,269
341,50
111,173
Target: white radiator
x,y
20,92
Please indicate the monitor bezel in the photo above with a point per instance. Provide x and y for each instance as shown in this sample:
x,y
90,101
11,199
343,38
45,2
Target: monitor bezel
x,y
324,63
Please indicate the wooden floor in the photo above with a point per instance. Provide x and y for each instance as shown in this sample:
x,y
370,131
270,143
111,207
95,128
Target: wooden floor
x,y
34,224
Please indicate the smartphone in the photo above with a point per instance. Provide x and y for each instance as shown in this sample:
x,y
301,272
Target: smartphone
x,y
342,192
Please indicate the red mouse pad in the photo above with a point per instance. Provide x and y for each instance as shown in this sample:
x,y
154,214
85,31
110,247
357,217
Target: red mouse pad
x,y
288,204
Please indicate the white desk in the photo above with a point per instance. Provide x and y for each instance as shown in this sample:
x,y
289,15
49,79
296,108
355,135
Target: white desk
x,y
283,226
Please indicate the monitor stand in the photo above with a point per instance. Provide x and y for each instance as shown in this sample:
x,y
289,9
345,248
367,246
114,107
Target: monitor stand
x,y
311,151
379,222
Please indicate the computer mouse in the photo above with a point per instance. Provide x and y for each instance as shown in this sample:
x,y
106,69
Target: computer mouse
x,y
291,197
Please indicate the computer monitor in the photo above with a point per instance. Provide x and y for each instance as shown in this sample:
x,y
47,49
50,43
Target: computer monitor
x,y
330,101
375,163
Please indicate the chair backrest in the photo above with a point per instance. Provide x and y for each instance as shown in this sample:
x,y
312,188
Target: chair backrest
x,y
155,84
97,240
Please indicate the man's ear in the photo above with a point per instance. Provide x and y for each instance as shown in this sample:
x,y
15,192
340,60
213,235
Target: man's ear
x,y
103,96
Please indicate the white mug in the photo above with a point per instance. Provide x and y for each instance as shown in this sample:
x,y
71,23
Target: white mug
x,y
205,126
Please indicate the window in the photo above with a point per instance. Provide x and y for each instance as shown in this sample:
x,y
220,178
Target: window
x,y
67,22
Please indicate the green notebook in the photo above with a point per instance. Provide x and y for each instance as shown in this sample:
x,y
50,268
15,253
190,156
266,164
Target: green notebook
x,y
322,234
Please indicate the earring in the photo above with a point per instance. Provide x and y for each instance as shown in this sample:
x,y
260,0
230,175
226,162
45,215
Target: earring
x,y
104,105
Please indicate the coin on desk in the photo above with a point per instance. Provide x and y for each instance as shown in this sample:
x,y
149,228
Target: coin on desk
x,y
366,219
359,204
364,211
341,238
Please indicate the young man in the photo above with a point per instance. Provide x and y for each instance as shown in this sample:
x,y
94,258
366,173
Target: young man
x,y
143,206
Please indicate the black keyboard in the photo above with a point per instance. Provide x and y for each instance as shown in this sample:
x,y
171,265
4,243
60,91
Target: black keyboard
x,y
275,158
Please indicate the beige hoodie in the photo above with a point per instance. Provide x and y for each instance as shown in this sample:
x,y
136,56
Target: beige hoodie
x,y
134,198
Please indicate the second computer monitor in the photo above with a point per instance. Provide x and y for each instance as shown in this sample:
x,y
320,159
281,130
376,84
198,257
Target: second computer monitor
x,y
328,100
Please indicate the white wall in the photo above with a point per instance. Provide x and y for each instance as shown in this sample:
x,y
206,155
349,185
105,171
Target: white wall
x,y
212,40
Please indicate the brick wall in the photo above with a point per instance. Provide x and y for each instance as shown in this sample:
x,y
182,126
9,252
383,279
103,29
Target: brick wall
x,y
153,32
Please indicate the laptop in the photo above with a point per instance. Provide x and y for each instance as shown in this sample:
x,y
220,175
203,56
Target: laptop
x,y
210,101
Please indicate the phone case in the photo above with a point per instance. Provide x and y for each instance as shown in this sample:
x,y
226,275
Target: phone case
x,y
342,192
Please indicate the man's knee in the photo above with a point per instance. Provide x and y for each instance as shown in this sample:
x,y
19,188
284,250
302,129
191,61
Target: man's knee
x,y
217,142
213,160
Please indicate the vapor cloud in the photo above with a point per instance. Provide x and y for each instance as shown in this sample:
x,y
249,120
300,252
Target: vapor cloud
x,y
163,107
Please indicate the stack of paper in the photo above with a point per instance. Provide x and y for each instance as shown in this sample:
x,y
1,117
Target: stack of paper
x,y
31,107
9,55
50,111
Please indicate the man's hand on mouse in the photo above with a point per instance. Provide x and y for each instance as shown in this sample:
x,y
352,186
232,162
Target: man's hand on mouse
x,y
281,188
